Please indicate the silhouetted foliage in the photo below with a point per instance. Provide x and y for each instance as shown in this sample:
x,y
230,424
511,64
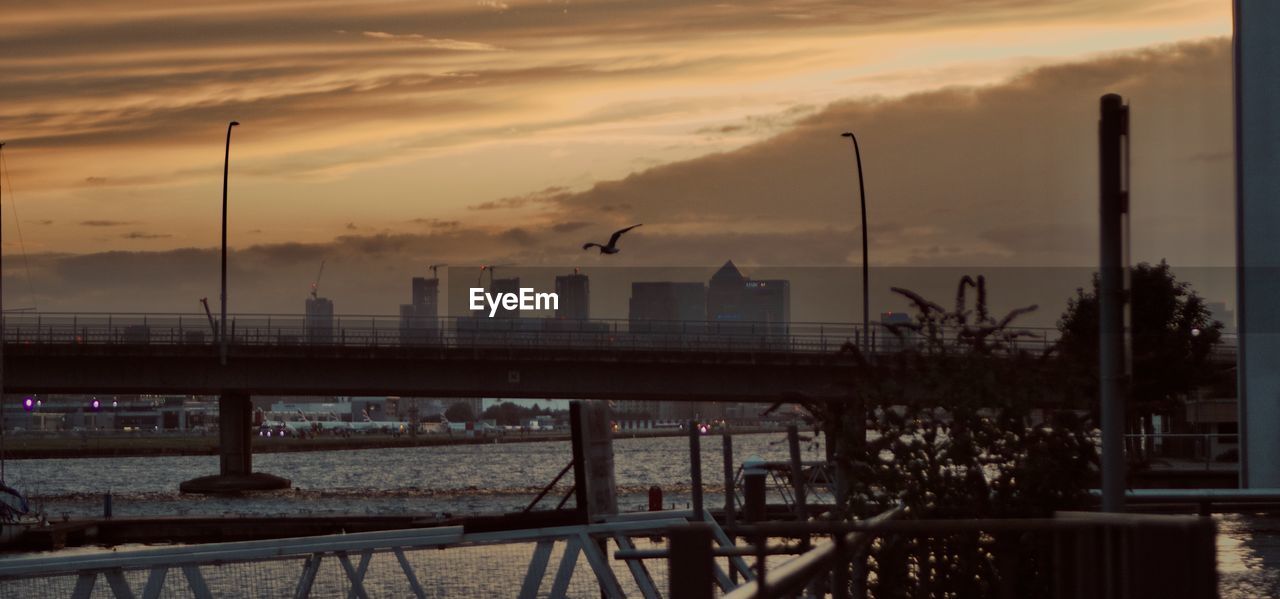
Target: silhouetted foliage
x,y
460,412
513,414
1173,334
954,438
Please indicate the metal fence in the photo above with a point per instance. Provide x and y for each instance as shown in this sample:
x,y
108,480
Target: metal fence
x,y
566,561
1073,554
393,331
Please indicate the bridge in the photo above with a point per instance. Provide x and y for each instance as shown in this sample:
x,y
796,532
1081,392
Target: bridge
x,y
448,357
445,357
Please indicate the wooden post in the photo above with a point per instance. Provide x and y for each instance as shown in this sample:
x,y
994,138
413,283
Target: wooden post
x,y
592,443
690,562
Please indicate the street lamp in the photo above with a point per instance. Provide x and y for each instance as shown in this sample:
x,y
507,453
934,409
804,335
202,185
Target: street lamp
x,y
862,193
226,162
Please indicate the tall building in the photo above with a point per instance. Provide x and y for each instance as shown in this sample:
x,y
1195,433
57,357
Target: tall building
x,y
768,302
574,292
426,297
762,307
666,306
319,320
418,322
725,294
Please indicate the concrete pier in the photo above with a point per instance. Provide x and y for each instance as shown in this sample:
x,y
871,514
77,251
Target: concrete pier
x,y
235,453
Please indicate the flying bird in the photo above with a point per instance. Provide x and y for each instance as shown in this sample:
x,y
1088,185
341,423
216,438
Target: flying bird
x,y
612,247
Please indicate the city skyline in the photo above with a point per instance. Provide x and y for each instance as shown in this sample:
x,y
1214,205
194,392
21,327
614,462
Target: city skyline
x,y
360,146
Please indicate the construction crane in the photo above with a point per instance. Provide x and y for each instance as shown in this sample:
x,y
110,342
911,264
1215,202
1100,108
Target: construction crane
x,y
490,268
315,287
433,268
205,302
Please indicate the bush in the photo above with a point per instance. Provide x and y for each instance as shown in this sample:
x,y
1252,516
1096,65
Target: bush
x,y
955,440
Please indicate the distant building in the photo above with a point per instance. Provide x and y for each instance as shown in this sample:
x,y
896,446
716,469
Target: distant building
x,y
319,320
762,307
667,305
418,319
725,301
574,292
426,297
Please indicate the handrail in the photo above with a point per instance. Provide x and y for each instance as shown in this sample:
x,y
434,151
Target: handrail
x,y
276,549
792,576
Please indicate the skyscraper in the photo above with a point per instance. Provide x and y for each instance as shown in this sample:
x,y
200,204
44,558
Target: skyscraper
x,y
319,320
426,295
418,319
667,305
574,292
725,294
760,306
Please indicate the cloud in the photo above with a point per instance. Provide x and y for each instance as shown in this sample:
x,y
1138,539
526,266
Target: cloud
x,y
437,43
145,235
106,223
570,226
548,195
979,169
436,223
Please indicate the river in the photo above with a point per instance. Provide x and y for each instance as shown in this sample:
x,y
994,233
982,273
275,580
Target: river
x,y
468,479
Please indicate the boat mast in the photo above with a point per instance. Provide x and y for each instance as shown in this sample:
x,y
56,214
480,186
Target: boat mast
x,y
2,400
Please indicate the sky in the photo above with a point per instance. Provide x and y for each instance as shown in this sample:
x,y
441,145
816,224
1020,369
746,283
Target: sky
x,y
381,137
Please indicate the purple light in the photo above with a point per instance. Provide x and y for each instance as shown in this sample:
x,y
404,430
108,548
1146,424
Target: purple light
x,y
95,405
28,404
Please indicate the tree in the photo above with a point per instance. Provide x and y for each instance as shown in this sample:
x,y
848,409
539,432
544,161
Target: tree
x,y
1173,334
512,414
460,412
955,438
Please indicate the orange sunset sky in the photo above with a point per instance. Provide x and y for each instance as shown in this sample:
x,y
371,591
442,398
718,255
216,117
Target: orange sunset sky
x,y
384,136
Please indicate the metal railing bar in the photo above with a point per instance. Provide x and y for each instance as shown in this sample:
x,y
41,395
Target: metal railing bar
x,y
736,550
565,572
280,549
793,575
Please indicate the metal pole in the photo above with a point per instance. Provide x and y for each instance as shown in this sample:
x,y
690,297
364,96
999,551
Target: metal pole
x,y
2,422
695,469
797,472
730,503
730,506
862,196
226,164
1113,202
1257,170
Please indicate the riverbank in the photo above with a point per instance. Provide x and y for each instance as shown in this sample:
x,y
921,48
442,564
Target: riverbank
x,y
32,447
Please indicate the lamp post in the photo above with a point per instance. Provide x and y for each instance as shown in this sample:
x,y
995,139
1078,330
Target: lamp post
x,y
226,162
862,194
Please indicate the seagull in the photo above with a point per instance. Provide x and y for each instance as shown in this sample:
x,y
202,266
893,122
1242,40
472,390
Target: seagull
x,y
612,248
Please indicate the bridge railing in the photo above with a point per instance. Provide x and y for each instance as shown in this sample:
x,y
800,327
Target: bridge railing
x,y
448,561
480,332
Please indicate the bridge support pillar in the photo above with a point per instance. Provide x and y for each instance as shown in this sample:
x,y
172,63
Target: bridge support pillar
x,y
235,441
235,453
